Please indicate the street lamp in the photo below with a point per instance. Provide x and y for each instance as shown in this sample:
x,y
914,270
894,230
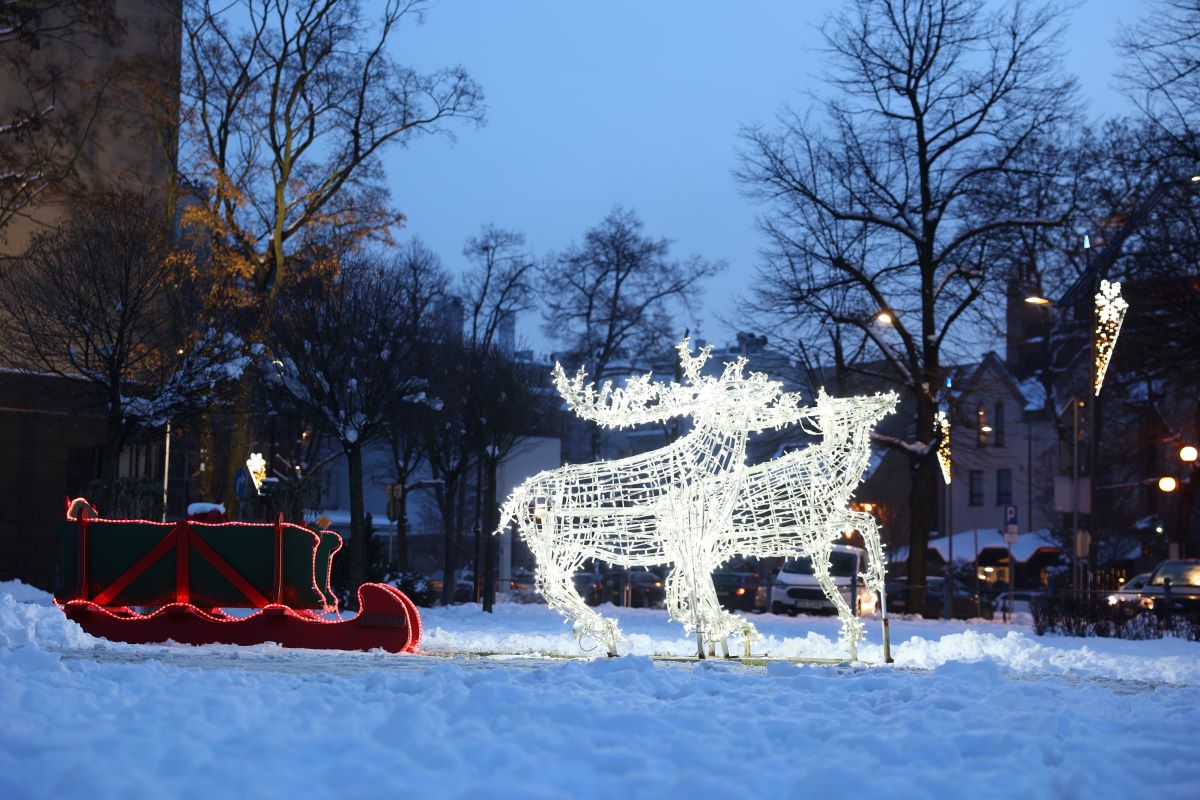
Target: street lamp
x,y
1187,454
1167,484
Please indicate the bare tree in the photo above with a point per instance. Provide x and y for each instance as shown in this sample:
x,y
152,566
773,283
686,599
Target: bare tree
x,y
610,300
1161,74
48,108
485,407
108,299
883,219
346,352
407,421
288,106
498,283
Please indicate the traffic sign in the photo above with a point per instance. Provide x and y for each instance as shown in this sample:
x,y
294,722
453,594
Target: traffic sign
x,y
1011,536
1010,515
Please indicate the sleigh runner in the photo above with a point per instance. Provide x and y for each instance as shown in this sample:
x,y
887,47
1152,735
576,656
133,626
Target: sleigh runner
x,y
183,575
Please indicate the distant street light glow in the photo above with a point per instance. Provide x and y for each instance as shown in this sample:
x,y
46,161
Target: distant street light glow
x,y
1188,453
1037,300
1167,484
884,318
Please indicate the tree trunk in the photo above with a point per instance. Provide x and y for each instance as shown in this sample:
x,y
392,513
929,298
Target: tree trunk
x,y
479,533
445,497
402,526
922,505
239,439
206,457
491,521
110,464
360,537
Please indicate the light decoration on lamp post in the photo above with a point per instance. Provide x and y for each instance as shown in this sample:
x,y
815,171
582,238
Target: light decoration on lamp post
x,y
1110,313
695,504
941,428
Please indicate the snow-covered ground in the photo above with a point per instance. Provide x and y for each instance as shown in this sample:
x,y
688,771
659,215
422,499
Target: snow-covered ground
x,y
968,710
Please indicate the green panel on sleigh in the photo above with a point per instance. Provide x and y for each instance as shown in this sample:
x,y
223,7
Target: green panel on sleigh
x,y
113,547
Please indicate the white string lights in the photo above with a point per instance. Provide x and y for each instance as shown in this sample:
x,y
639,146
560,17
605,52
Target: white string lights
x,y
1110,313
694,504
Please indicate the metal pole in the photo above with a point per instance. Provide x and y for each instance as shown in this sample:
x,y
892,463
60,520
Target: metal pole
x,y
1074,495
978,602
1012,573
950,562
166,467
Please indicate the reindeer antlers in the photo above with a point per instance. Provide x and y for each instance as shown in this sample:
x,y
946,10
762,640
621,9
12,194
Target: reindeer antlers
x,y
692,366
640,401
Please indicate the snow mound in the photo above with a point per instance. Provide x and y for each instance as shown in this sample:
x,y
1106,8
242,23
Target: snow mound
x,y
37,627
24,593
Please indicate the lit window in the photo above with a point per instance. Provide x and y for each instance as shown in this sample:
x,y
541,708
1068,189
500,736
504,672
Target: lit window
x,y
982,429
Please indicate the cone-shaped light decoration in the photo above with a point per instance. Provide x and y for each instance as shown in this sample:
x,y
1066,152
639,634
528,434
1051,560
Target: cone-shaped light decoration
x,y
941,428
1110,313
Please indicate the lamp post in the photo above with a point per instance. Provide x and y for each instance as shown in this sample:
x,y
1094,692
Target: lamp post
x,y
1109,308
941,425
1169,484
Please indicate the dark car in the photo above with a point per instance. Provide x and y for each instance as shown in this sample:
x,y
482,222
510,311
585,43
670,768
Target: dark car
x,y
740,591
590,586
636,588
962,600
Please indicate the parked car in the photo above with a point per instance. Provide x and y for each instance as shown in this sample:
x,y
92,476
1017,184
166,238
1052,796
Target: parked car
x,y
1128,597
464,585
795,587
646,589
590,586
963,603
1183,575
1021,599
521,588
740,591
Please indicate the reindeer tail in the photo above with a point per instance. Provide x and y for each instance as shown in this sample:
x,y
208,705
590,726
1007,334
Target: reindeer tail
x,y
509,511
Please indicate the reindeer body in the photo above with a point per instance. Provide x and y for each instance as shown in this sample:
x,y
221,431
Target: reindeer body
x,y
694,503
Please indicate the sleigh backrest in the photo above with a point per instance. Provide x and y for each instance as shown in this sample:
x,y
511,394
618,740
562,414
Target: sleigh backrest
x,y
227,565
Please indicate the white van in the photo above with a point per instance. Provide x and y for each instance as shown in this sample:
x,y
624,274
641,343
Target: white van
x,y
795,588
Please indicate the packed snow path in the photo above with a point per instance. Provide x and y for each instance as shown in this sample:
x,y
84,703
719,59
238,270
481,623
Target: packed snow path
x,y
969,709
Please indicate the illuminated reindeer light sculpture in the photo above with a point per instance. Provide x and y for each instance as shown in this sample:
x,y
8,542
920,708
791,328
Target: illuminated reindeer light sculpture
x,y
694,504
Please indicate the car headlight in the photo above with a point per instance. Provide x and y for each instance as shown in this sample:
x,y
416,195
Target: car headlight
x,y
1147,603
867,602
1113,599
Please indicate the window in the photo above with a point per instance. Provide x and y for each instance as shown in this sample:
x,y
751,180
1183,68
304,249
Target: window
x,y
976,481
998,426
1003,487
982,429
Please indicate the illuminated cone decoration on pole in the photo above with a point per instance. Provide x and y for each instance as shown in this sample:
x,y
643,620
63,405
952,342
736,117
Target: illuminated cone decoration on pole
x,y
1110,313
695,504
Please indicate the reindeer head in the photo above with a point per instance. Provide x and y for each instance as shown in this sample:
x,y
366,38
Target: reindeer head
x,y
731,401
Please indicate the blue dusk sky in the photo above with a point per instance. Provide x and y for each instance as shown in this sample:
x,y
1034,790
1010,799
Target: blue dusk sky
x,y
595,104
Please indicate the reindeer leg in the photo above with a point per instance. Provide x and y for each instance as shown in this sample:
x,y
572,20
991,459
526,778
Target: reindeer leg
x,y
876,574
852,630
554,580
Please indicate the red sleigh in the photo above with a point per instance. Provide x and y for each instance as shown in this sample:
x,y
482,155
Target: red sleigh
x,y
184,574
